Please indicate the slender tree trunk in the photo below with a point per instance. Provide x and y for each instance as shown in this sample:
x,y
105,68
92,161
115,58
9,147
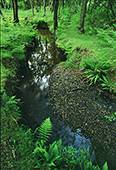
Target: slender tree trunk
x,y
111,8
55,7
27,4
37,5
3,4
51,5
15,10
32,6
83,15
1,14
63,2
44,2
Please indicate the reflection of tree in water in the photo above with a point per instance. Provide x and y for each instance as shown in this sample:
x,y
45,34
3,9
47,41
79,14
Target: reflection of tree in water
x,y
34,89
42,61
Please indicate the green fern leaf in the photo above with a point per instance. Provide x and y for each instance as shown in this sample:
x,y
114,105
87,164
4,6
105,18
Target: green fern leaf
x,y
105,167
45,130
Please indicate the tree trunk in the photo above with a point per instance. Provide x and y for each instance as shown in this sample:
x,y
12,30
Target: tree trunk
x,y
3,4
1,14
111,8
27,4
83,15
51,5
44,2
63,3
55,7
32,6
15,10
37,5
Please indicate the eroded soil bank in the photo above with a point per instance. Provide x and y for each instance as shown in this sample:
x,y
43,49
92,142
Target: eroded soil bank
x,y
83,106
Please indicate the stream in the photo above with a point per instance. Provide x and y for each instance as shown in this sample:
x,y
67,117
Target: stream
x,y
34,88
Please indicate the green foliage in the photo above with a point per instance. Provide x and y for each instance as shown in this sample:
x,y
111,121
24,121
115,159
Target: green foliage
x,y
94,75
107,84
55,156
100,13
108,38
45,130
69,157
16,142
105,167
24,146
19,149
101,44
47,156
14,38
99,70
73,61
9,115
9,109
95,70
98,60
111,118
5,73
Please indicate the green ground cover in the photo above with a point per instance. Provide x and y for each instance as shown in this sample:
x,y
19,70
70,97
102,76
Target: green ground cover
x,y
96,50
97,46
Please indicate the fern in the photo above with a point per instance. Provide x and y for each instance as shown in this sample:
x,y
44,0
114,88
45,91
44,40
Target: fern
x,y
105,167
45,130
107,84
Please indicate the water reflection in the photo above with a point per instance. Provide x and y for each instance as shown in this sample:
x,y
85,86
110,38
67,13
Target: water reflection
x,y
34,92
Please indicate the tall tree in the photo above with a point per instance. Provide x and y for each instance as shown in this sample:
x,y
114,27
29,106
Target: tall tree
x,y
44,5
3,4
55,7
32,6
83,15
63,2
110,5
15,10
37,5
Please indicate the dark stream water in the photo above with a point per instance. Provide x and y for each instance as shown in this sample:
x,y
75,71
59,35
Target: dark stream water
x,y
34,85
34,88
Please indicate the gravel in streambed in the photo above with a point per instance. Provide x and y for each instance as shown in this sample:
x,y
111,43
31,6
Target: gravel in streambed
x,y
83,106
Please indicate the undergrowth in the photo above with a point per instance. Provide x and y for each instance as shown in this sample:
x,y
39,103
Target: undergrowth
x,y
93,52
97,45
14,38
56,156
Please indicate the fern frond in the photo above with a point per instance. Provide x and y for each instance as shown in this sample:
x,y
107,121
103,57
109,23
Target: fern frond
x,y
105,167
45,130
